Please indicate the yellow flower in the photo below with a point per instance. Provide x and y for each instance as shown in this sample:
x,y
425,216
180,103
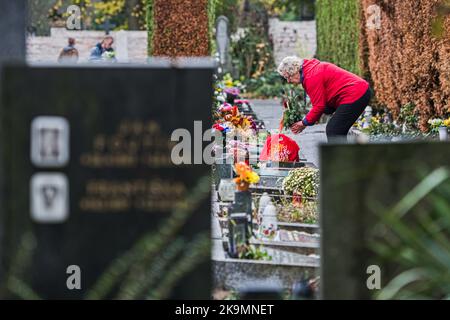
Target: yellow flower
x,y
447,122
245,174
252,177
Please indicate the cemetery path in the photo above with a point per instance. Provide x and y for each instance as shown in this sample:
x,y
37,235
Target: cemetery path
x,y
295,251
270,111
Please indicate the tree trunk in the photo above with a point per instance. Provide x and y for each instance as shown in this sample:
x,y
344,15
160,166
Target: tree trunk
x,y
133,22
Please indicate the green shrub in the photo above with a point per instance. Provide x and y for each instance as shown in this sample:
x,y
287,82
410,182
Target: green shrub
x,y
338,33
267,85
412,239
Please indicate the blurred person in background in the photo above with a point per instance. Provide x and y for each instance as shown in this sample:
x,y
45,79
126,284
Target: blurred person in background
x,y
69,54
103,51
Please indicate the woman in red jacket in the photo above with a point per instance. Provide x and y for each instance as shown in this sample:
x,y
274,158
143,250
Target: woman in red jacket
x,y
332,90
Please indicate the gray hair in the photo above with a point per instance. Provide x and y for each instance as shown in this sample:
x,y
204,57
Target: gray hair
x,y
289,66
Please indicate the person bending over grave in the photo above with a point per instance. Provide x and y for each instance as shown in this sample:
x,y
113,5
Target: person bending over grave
x,y
332,90
103,51
69,54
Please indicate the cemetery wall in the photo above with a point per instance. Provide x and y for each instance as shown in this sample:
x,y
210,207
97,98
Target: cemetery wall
x,y
130,46
292,38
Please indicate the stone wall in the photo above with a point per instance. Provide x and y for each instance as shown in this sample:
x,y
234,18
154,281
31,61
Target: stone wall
x,y
130,46
289,38
293,38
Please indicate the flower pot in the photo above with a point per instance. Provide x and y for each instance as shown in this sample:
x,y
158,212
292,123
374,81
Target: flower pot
x,y
443,133
242,186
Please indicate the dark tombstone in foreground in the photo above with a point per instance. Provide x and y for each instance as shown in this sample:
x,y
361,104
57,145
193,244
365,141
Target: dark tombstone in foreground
x,y
89,184
12,28
361,187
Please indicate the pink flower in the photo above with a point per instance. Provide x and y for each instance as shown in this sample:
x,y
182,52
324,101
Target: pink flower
x,y
232,91
226,107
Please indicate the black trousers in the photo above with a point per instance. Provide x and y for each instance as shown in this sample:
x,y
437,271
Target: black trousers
x,y
346,115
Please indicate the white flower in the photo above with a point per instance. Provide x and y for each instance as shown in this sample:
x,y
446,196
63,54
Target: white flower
x,y
239,34
435,122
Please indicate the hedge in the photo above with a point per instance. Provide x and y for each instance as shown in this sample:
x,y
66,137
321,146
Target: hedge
x,y
405,59
338,33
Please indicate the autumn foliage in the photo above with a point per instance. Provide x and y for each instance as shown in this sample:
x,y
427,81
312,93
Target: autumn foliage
x,y
406,61
404,58
180,28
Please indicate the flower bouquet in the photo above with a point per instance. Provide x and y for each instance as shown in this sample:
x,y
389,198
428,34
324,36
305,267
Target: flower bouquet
x,y
436,123
109,56
246,176
231,114
295,108
440,126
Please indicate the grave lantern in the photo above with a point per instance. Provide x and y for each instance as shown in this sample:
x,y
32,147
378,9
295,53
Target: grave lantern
x,y
237,232
269,224
243,203
226,190
223,170
367,117
263,202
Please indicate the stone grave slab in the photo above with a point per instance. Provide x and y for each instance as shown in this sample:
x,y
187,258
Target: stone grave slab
x,y
111,197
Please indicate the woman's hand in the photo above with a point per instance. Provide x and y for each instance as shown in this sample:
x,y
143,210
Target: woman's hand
x,y
298,127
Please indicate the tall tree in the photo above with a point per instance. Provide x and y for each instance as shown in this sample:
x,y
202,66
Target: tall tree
x,y
132,7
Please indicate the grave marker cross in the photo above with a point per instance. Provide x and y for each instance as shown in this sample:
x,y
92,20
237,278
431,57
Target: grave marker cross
x,y
107,26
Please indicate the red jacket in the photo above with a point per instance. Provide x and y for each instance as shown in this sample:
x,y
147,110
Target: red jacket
x,y
329,85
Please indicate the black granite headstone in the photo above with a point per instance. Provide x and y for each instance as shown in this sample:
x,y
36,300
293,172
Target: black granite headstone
x,y
12,28
89,183
360,186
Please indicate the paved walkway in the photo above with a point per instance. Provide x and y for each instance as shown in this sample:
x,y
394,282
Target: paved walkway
x,y
270,111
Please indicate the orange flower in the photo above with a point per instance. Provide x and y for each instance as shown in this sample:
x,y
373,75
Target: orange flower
x,y
245,176
241,168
